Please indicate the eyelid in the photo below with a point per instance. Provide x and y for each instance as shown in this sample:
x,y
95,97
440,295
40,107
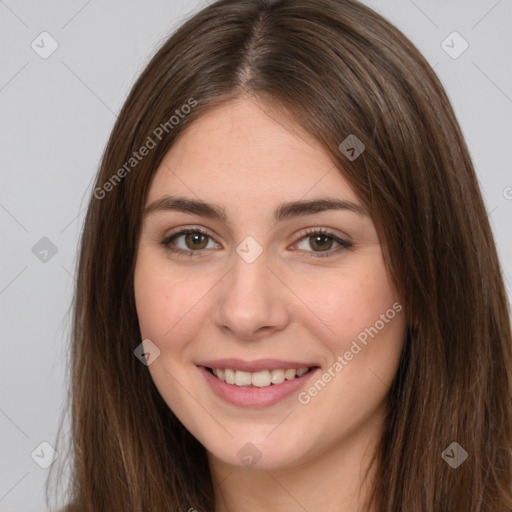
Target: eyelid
x,y
324,231
341,240
343,243
302,233
191,227
183,230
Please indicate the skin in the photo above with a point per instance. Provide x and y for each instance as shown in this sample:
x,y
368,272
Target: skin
x,y
288,304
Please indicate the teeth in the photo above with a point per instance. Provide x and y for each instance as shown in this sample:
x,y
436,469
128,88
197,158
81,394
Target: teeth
x,y
277,376
242,378
290,374
229,376
260,379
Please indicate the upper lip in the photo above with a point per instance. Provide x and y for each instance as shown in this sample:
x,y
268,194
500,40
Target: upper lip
x,y
254,366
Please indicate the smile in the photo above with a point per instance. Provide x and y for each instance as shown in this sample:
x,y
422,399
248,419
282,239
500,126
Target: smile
x,y
261,388
258,379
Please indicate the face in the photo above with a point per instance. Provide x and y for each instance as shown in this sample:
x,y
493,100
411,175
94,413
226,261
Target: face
x,y
256,254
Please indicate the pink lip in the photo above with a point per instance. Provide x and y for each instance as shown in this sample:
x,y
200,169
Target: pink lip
x,y
253,396
254,366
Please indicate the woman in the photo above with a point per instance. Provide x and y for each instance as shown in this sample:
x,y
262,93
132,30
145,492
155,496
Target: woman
x,y
288,293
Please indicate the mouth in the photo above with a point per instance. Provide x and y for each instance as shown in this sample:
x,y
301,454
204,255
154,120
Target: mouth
x,y
258,383
259,379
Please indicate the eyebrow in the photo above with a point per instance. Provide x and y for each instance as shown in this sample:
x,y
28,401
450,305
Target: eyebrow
x,y
284,211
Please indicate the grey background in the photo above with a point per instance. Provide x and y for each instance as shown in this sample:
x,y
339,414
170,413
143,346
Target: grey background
x,y
55,117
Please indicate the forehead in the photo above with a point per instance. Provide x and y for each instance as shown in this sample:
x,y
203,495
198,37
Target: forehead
x,y
240,152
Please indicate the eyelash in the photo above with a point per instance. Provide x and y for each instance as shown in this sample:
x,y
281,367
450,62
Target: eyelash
x,y
343,244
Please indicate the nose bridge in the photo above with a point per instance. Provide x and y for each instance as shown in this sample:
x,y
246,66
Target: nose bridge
x,y
250,277
250,297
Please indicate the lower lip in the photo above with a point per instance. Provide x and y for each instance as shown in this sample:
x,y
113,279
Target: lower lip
x,y
252,395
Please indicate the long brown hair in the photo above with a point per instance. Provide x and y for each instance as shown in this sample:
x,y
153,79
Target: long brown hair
x,y
337,69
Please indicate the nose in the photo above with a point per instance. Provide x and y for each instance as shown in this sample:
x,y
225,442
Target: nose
x,y
251,301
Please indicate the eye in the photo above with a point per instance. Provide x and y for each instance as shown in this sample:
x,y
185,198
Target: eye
x,y
192,242
322,241
189,242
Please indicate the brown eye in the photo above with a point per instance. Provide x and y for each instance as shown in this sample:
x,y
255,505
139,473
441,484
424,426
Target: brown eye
x,y
321,242
189,242
196,241
318,243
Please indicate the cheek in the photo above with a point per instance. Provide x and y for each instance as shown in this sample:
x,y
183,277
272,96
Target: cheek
x,y
166,303
347,302
364,338
157,308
